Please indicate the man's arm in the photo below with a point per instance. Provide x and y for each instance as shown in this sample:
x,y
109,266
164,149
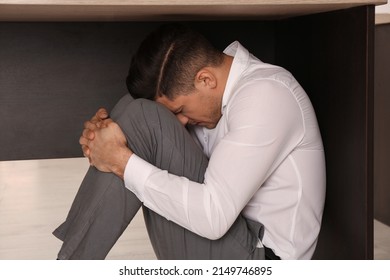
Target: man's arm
x,y
264,129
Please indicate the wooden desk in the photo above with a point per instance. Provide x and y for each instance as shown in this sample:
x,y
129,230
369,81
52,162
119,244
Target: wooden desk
x,y
60,62
155,10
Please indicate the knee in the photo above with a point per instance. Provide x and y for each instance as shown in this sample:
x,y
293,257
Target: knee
x,y
143,105
128,106
141,112
149,111
142,108
120,106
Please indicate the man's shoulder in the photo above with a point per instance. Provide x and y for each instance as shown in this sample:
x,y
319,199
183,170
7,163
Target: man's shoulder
x,y
269,76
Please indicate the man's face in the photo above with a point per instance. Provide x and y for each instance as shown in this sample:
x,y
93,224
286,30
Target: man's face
x,y
196,108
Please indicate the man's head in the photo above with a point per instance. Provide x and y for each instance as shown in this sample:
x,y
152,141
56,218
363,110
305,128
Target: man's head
x,y
179,68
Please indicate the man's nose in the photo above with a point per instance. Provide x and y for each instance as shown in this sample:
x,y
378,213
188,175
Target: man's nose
x,y
182,119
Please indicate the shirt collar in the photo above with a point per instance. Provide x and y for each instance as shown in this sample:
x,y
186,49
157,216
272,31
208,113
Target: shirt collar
x,y
240,62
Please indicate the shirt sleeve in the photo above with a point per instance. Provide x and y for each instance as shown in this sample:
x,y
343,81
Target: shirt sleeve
x,y
264,125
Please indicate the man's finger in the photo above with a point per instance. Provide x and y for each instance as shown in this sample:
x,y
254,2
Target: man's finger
x,y
85,150
90,125
101,114
83,141
88,134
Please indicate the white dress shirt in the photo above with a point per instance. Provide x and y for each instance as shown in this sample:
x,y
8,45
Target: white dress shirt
x,y
266,161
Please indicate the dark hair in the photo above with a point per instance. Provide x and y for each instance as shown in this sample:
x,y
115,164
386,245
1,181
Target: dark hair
x,y
167,61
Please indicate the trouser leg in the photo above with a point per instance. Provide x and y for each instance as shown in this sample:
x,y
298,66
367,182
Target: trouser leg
x,y
100,212
157,137
168,145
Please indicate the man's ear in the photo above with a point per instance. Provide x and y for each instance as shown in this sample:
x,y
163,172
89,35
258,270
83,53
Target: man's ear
x,y
205,78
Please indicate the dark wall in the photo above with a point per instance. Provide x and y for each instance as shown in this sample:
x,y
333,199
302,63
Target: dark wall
x,y
331,54
54,76
382,124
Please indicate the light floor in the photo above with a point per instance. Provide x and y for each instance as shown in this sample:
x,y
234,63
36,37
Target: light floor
x,y
35,197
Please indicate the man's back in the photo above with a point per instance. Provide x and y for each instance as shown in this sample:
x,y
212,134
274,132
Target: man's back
x,y
270,130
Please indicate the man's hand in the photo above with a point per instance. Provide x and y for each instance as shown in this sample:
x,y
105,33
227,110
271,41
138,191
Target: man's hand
x,y
89,128
105,145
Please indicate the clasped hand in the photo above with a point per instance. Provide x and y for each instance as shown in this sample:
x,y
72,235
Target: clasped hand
x,y
104,144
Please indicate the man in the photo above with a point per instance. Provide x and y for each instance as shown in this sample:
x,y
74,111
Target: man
x,y
263,187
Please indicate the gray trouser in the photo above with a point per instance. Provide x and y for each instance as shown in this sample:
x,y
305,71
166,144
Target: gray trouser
x,y
103,207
